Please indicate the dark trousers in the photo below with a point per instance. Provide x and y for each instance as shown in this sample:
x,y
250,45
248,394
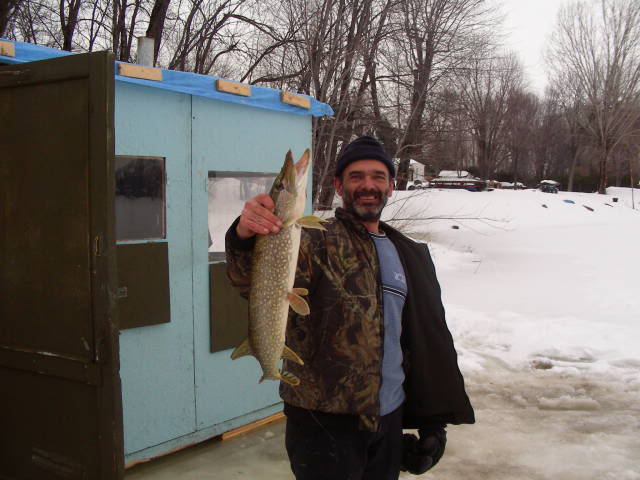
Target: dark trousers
x,y
320,450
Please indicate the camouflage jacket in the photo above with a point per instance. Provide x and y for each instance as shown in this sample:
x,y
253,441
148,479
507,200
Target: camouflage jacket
x,y
341,340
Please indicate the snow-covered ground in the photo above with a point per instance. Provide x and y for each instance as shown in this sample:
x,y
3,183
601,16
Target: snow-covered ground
x,y
543,299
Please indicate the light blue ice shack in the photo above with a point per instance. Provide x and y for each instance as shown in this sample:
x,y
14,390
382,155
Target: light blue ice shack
x,y
189,150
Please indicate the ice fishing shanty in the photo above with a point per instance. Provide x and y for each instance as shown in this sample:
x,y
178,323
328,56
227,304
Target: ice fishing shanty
x,y
117,183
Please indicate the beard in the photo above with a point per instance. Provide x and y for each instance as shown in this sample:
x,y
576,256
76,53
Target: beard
x,y
367,212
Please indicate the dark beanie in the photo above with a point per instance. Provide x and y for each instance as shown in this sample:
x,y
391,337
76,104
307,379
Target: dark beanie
x,y
363,148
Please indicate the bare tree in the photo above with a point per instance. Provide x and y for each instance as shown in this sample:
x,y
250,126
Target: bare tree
x,y
436,35
156,24
203,32
68,14
486,85
7,10
522,110
595,53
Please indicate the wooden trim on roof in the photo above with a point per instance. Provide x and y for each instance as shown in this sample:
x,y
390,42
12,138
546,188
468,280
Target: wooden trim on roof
x,y
234,88
7,49
295,100
140,71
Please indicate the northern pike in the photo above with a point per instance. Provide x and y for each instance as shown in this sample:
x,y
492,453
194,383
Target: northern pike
x,y
273,271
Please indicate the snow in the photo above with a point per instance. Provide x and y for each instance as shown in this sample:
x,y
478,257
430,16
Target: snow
x,y
630,197
541,294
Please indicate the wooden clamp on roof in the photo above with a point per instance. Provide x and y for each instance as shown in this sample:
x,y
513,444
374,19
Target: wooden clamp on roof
x,y
7,49
233,87
295,100
140,71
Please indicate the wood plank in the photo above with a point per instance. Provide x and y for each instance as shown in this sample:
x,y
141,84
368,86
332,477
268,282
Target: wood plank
x,y
295,100
7,49
252,426
140,71
233,87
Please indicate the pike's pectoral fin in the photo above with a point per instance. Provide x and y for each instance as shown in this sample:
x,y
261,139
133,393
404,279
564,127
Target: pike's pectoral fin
x,y
298,304
242,350
290,378
300,291
289,354
311,221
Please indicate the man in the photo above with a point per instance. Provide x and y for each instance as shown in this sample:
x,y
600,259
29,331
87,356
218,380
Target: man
x,y
378,356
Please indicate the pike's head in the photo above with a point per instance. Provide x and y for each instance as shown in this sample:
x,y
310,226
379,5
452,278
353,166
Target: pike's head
x,y
289,190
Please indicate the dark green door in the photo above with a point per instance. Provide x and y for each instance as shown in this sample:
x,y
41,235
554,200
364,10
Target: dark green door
x,y
60,400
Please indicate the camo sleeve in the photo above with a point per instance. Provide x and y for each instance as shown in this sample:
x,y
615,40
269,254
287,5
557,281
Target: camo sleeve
x,y
304,272
238,254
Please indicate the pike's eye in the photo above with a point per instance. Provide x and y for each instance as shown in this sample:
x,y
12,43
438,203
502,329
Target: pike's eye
x,y
279,187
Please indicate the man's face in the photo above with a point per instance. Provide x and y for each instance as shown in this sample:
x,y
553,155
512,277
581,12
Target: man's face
x,y
365,187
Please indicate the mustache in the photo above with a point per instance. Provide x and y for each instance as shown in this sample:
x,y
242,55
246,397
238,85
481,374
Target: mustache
x,y
367,193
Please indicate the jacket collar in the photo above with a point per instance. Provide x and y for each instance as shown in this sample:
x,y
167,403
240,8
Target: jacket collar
x,y
351,220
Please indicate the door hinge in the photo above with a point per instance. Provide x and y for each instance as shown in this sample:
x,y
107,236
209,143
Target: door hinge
x,y
97,246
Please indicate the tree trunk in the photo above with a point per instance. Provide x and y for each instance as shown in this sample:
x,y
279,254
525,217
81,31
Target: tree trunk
x,y
572,169
7,8
156,25
69,22
602,183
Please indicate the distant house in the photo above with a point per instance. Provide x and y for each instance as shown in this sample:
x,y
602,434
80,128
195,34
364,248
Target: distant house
x,y
457,179
416,174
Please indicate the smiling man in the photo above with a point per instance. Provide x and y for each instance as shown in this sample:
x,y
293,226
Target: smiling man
x,y
378,356
364,180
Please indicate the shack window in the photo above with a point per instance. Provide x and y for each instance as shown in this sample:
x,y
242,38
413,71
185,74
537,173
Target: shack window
x,y
140,198
227,193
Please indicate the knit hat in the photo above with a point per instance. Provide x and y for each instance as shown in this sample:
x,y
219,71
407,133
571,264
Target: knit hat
x,y
364,148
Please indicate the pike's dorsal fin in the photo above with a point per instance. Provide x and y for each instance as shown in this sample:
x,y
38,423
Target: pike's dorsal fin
x,y
289,354
290,378
242,350
298,304
311,221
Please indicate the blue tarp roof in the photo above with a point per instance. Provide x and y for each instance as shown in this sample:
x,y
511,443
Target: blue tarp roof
x,y
184,82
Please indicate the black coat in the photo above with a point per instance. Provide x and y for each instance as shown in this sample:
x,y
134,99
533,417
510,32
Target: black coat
x,y
433,385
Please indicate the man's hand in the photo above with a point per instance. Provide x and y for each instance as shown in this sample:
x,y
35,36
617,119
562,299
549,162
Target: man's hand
x,y
422,454
257,217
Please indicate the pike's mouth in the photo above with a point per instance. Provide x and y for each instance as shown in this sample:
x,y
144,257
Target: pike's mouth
x,y
301,166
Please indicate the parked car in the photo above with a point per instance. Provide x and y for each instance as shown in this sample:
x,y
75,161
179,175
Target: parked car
x,y
415,185
548,186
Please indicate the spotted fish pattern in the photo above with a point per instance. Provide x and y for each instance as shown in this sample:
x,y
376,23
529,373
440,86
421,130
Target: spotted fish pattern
x,y
273,269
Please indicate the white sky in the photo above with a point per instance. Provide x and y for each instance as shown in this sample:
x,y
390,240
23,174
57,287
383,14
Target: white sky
x,y
528,25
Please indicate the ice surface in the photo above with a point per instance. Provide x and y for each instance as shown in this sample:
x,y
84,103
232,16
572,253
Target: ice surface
x,y
544,307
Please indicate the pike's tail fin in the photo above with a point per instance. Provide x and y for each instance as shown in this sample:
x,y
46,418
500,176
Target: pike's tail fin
x,y
286,377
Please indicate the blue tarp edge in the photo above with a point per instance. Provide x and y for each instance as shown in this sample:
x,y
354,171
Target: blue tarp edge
x,y
183,82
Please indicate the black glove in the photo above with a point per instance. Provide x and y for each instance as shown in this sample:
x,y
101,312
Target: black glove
x,y
419,455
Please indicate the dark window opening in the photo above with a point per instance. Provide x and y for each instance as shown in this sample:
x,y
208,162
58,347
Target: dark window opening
x,y
140,198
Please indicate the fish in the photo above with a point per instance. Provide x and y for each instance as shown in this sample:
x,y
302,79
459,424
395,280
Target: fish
x,y
273,270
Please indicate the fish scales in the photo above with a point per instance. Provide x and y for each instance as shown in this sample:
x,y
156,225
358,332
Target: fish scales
x,y
274,262
273,273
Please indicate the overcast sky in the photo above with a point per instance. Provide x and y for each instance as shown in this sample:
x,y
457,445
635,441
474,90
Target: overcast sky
x,y
528,25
